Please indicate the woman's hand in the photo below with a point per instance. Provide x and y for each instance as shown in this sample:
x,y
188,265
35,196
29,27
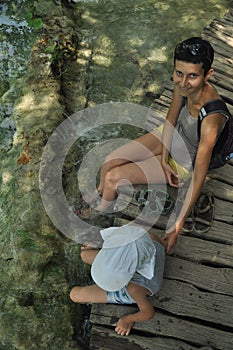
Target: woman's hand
x,y
170,238
171,175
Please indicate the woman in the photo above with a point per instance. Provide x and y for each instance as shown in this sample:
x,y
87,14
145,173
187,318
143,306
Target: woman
x,y
135,164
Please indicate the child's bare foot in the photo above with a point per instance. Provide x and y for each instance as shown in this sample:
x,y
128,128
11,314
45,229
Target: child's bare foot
x,y
124,326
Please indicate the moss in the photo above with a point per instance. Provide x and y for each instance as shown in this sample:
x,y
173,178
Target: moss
x,y
35,310
35,327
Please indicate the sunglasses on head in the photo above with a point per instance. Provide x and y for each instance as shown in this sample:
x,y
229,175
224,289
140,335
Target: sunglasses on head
x,y
194,50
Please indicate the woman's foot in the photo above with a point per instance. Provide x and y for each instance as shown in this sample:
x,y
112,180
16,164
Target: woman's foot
x,y
88,213
92,198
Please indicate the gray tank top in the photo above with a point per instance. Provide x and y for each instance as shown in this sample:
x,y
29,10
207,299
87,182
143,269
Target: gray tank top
x,y
185,140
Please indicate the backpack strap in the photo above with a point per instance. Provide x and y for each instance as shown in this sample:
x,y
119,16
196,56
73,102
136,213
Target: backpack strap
x,y
211,107
227,99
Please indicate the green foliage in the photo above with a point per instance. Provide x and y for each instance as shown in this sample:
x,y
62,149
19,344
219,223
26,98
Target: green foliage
x,y
35,23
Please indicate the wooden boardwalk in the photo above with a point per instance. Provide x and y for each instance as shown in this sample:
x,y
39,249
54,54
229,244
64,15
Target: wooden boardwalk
x,y
194,307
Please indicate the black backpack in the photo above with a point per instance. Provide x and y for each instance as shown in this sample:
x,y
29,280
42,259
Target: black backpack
x,y
223,150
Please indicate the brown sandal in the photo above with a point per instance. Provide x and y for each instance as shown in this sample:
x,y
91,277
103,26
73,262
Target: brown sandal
x,y
204,213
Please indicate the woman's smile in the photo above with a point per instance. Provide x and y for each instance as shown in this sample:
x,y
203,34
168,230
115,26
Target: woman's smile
x,y
188,77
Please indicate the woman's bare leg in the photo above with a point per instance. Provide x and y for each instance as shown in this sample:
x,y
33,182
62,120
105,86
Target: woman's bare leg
x,y
137,150
148,171
137,162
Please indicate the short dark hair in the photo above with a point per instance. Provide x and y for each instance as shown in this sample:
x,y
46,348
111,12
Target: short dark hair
x,y
195,50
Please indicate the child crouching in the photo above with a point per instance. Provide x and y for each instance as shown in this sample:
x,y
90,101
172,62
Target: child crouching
x,y
126,270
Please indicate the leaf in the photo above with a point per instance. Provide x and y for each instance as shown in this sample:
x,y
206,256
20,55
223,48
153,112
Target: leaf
x,y
37,23
28,17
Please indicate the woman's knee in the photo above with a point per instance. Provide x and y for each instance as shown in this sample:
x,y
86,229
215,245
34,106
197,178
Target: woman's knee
x,y
112,177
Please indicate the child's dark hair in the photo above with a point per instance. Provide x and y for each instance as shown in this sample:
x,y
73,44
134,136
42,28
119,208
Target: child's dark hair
x,y
195,50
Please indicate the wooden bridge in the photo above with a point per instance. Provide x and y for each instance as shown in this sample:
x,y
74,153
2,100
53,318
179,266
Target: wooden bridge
x,y
194,308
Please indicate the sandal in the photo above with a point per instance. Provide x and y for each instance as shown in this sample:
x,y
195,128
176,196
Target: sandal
x,y
204,213
157,201
163,200
141,196
189,223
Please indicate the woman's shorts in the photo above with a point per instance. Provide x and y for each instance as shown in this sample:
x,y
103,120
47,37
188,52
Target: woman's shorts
x,y
182,172
120,297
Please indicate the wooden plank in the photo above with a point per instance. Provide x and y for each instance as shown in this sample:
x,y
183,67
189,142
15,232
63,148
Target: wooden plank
x,y
206,252
183,299
224,174
219,232
223,209
106,339
218,45
223,60
229,15
219,189
224,69
166,325
226,39
168,93
160,107
217,280
168,85
222,26
219,81
154,119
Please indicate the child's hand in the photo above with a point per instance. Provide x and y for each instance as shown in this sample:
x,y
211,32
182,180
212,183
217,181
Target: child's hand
x,y
124,326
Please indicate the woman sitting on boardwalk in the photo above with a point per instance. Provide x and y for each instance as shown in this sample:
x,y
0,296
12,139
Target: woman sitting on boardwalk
x,y
133,163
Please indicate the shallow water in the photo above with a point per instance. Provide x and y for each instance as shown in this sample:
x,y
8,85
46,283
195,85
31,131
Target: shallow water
x,y
16,39
133,42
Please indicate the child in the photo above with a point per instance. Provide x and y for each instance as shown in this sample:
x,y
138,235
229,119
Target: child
x,y
127,270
